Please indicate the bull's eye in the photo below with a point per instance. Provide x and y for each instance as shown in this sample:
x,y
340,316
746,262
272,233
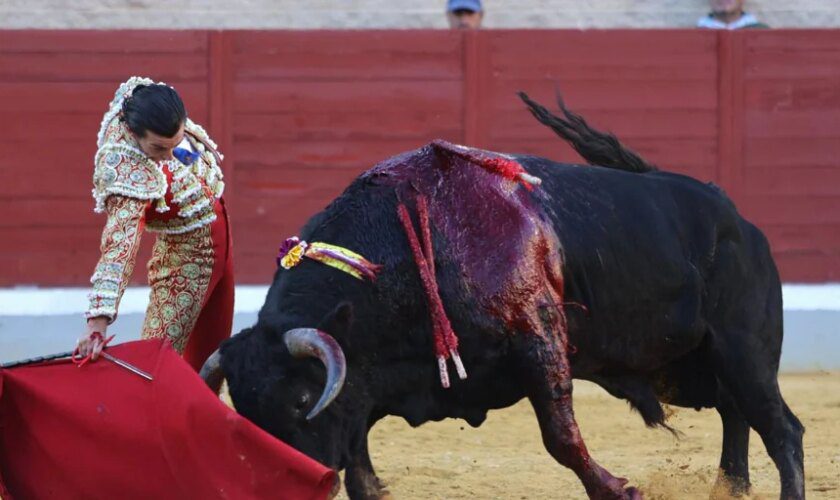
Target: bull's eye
x,y
302,402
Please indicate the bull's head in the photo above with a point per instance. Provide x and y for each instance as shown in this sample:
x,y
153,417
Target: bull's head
x,y
285,382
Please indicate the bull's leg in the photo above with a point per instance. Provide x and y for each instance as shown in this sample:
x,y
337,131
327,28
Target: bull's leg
x,y
734,478
548,383
755,390
360,479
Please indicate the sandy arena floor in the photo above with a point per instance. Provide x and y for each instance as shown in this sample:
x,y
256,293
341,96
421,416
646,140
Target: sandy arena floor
x,y
505,459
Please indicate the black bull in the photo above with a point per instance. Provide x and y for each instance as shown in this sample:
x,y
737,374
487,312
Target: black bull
x,y
647,283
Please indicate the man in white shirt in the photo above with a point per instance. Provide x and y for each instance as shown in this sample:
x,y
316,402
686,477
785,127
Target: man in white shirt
x,y
729,15
464,14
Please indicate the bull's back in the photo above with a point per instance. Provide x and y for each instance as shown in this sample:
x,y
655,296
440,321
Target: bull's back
x,y
637,251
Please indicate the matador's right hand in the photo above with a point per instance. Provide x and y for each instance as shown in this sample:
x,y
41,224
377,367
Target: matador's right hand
x,y
90,343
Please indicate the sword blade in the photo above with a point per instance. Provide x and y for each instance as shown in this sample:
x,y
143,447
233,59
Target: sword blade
x,y
133,369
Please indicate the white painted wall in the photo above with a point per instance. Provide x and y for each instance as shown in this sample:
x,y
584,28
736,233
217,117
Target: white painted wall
x,y
34,301
367,14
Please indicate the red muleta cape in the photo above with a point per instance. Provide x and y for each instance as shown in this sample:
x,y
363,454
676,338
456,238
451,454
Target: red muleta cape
x,y
101,431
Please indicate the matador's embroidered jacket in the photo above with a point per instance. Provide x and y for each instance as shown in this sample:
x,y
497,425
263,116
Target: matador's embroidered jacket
x,y
136,192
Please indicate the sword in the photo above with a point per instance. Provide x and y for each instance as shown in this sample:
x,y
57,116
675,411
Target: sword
x,y
133,369
40,359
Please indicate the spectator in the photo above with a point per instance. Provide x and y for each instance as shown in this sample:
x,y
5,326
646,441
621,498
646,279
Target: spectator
x,y
464,14
729,15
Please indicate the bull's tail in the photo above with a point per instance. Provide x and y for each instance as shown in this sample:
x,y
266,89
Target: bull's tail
x,y
596,147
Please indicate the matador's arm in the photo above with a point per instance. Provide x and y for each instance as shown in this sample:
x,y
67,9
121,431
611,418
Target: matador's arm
x,y
120,242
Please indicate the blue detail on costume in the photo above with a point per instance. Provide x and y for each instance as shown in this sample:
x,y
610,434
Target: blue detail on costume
x,y
185,156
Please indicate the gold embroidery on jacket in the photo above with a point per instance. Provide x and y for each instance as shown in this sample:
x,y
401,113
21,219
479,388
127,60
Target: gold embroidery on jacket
x,y
179,275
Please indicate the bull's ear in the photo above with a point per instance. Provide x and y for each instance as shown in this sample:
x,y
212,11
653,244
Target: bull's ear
x,y
338,321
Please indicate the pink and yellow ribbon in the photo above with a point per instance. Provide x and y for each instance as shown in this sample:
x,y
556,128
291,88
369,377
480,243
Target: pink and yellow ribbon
x,y
293,250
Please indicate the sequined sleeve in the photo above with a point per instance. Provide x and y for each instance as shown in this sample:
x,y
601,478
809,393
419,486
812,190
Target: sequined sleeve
x,y
120,241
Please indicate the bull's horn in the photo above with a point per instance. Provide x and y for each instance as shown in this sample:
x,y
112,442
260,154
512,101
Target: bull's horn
x,y
309,342
212,373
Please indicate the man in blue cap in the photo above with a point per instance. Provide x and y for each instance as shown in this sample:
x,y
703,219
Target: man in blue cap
x,y
464,14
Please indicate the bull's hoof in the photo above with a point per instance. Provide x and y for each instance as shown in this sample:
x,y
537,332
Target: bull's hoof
x,y
381,495
371,495
730,487
632,493
613,488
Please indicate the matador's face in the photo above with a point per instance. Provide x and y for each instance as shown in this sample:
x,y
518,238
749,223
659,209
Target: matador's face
x,y
158,147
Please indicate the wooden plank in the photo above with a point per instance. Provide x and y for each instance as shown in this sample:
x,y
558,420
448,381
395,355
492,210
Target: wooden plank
x,y
793,54
609,94
805,210
359,97
338,125
802,65
290,179
48,213
809,267
767,152
356,155
473,73
37,98
45,269
82,67
28,169
733,182
103,41
76,240
290,191
793,40
219,100
255,268
729,53
484,84
800,95
661,124
347,55
806,124
787,238
280,216
565,55
800,180
281,221
25,126
82,98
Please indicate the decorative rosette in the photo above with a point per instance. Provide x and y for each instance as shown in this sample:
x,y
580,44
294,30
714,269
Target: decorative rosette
x,y
291,252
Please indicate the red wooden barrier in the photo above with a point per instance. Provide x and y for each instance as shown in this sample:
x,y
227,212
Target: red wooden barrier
x,y
299,114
